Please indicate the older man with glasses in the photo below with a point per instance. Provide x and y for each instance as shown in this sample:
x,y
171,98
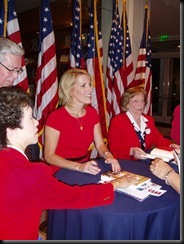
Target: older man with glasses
x,y
10,67
10,61
18,71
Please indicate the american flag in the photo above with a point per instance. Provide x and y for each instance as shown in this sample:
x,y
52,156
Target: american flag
x,y
76,52
143,73
95,66
128,73
95,69
114,73
13,33
119,74
46,96
1,18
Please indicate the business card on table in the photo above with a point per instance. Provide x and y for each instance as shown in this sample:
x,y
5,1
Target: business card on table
x,y
155,190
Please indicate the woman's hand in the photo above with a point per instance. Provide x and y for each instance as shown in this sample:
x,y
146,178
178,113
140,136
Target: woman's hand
x,y
109,159
137,153
175,146
90,167
165,172
159,168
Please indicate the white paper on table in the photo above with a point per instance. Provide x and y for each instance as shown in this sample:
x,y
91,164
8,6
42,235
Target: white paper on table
x,y
160,153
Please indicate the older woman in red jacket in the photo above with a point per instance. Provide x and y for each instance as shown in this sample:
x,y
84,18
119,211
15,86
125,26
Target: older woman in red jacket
x,y
132,133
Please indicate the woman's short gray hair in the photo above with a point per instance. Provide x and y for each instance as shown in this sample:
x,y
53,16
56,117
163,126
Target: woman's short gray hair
x,y
131,92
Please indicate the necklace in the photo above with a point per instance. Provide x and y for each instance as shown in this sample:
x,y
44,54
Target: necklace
x,y
80,123
75,115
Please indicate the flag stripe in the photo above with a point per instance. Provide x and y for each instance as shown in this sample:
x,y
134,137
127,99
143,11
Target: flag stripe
x,y
95,69
143,73
95,66
119,73
46,97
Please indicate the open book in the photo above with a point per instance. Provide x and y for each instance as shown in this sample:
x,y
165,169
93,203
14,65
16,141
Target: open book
x,y
140,191
160,153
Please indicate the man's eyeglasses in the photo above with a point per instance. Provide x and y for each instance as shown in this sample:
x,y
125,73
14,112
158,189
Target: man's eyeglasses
x,y
18,71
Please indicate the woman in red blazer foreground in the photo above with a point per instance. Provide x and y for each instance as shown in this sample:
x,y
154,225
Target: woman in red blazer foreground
x,y
26,188
131,133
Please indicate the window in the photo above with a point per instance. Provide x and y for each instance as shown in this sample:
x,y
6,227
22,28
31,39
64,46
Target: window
x,y
165,85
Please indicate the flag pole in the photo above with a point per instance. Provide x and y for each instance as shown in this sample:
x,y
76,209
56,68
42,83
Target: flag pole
x,y
5,16
147,20
124,29
80,24
100,64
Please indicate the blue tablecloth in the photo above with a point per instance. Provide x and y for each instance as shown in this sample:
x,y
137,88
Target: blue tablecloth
x,y
156,218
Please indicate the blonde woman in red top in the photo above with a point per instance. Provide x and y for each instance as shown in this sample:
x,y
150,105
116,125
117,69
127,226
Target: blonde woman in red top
x,y
72,128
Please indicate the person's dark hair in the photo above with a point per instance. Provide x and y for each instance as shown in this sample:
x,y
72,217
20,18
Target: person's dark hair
x,y
131,92
12,102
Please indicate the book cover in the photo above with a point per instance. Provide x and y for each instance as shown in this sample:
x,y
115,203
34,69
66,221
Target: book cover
x,y
135,190
110,175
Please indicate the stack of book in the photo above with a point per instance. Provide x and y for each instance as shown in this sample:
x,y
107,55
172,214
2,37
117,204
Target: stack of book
x,y
140,191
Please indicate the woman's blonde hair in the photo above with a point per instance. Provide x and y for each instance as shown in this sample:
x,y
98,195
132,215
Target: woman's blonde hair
x,y
131,92
67,82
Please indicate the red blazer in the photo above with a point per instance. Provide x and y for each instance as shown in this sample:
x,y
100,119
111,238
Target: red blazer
x,y
175,128
28,188
122,136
